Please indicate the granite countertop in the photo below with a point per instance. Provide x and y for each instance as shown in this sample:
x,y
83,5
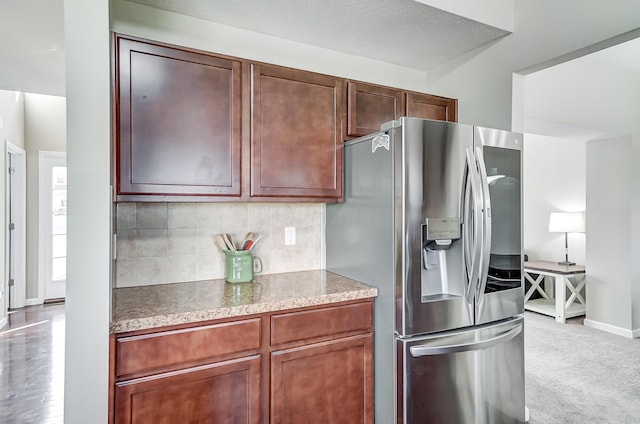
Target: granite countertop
x,y
146,307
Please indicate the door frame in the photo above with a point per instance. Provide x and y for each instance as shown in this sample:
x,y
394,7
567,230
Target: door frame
x,y
18,200
46,159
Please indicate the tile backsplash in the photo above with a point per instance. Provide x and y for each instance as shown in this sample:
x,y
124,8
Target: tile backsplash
x,y
173,242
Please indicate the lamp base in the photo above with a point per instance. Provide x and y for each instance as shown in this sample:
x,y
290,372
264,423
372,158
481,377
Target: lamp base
x,y
567,263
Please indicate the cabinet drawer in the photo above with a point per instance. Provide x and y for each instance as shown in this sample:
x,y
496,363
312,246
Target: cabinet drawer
x,y
322,323
169,349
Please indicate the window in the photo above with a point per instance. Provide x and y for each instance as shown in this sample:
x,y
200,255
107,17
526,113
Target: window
x,y
59,223
53,225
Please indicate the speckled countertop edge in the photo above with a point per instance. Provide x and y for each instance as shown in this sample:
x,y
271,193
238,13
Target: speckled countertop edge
x,y
149,307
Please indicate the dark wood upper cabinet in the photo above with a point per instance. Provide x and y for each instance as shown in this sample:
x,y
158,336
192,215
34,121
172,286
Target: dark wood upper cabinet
x,y
296,133
177,121
193,126
369,106
426,106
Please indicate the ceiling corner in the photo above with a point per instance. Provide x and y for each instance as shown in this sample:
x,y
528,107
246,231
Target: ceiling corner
x,y
496,13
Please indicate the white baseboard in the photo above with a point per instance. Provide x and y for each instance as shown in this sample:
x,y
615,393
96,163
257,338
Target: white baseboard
x,y
624,332
33,301
3,322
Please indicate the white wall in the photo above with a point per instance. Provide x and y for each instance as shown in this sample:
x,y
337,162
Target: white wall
x,y
11,130
554,176
589,94
609,254
12,117
45,123
545,30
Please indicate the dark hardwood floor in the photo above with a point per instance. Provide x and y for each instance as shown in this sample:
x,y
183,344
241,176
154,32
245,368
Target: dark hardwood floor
x,y
32,366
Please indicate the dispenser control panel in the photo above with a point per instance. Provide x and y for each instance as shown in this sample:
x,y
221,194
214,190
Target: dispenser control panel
x,y
443,228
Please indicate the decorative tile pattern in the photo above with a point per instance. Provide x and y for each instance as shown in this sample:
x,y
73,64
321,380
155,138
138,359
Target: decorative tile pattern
x,y
138,308
160,243
181,215
151,216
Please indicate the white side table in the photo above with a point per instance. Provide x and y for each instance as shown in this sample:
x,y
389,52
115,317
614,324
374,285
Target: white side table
x,y
561,308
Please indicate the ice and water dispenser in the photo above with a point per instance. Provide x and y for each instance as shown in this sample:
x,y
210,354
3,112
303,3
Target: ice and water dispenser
x,y
440,246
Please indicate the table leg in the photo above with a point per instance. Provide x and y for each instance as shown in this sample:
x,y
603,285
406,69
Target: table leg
x,y
535,286
561,297
549,288
576,292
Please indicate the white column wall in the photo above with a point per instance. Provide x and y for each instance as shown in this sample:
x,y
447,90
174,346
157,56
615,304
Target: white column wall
x,y
635,233
609,254
88,296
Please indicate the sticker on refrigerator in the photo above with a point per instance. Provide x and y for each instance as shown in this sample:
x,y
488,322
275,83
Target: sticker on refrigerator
x,y
381,140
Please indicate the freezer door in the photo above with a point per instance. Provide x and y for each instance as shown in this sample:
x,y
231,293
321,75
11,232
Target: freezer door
x,y
474,376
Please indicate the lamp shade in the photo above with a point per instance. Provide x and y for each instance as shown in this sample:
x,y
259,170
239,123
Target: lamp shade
x,y
566,222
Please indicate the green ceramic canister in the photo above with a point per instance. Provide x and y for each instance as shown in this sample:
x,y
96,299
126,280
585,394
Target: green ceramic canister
x,y
239,266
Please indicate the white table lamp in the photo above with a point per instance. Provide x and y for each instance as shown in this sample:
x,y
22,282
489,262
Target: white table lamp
x,y
566,222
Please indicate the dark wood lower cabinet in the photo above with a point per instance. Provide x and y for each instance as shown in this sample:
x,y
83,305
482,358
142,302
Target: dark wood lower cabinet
x,y
222,393
305,365
329,382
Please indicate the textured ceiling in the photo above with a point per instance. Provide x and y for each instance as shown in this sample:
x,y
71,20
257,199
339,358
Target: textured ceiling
x,y
402,32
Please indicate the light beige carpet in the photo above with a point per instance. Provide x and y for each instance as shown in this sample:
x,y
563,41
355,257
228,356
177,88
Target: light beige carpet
x,y
579,375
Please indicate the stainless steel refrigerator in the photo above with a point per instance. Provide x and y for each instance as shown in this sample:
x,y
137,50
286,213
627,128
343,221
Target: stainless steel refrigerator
x,y
432,217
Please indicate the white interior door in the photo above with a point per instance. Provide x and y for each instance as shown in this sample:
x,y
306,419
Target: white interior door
x,y
53,224
15,225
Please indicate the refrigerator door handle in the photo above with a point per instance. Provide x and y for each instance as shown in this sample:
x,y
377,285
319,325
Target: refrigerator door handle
x,y
426,350
465,214
475,243
486,230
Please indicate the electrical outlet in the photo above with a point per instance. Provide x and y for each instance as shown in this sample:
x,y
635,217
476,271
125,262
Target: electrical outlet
x,y
289,236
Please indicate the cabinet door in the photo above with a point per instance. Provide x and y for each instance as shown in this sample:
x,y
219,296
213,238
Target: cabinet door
x,y
369,106
226,392
330,382
178,121
427,106
296,127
